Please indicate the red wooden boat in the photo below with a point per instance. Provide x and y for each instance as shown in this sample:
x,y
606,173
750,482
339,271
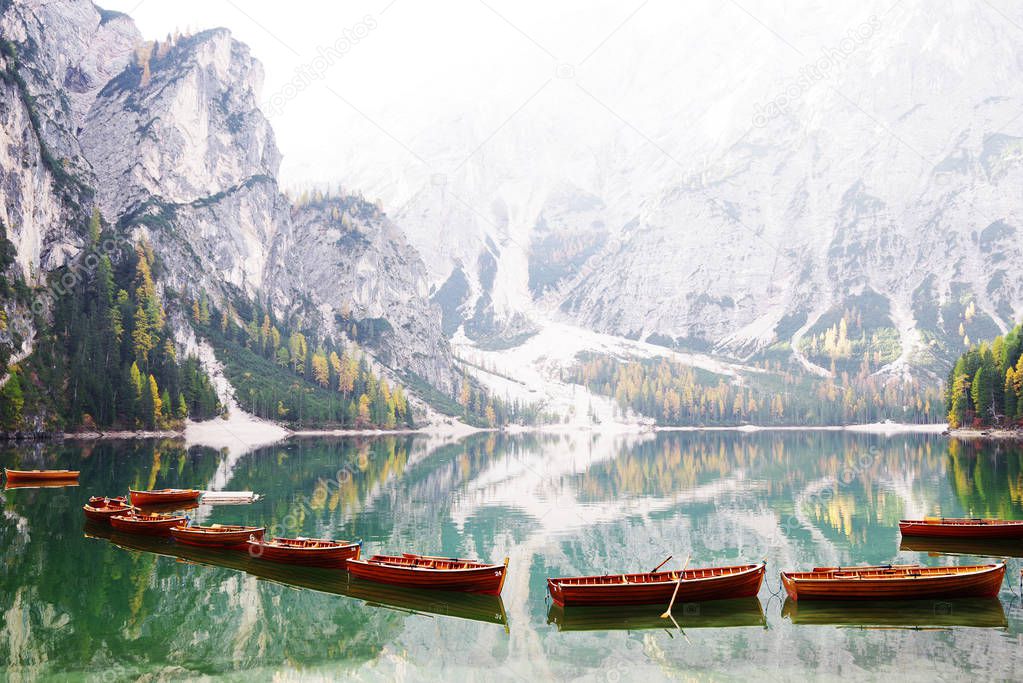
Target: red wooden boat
x,y
894,582
216,535
311,552
164,496
101,509
953,527
439,573
40,475
140,523
708,583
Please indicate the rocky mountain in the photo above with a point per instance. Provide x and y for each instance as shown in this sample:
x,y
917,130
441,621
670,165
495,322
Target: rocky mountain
x,y
736,183
894,186
167,140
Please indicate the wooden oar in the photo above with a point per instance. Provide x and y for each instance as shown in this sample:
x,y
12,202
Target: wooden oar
x,y
660,565
678,583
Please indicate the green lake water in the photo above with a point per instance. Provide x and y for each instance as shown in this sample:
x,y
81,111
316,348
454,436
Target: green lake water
x,y
82,603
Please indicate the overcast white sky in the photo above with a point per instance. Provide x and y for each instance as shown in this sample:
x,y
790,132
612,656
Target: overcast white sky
x,y
422,85
427,60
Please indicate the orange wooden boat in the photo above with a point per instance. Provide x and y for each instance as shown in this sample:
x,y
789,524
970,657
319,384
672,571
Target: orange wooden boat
x,y
438,573
152,525
954,527
311,552
101,509
894,582
40,475
216,535
164,496
708,583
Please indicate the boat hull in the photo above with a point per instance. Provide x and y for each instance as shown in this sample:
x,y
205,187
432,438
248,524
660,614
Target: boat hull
x,y
205,537
983,582
986,529
697,585
486,579
336,557
149,527
40,475
101,509
152,498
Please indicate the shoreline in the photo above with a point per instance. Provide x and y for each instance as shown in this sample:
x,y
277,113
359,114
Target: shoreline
x,y
458,430
993,434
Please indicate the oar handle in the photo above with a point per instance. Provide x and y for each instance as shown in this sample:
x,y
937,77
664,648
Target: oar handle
x,y
667,612
661,564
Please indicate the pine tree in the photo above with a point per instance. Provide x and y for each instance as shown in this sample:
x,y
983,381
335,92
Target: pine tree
x,y
960,405
12,401
155,404
364,413
320,367
142,340
94,227
1009,389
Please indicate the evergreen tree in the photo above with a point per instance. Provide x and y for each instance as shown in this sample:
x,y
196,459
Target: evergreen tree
x,y
11,402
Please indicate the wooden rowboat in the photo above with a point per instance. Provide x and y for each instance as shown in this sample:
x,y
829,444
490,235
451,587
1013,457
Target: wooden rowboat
x,y
424,571
952,527
474,606
140,523
709,583
40,475
100,509
894,582
310,552
164,496
216,535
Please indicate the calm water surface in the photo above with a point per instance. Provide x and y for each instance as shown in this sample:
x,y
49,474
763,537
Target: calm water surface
x,y
79,602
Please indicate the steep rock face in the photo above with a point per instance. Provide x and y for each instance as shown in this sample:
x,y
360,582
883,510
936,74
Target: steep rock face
x,y
752,177
36,220
179,145
188,124
347,261
167,140
68,51
804,214
56,57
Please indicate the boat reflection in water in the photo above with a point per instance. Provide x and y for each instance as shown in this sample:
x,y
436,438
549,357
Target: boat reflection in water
x,y
712,614
40,484
963,546
908,614
475,607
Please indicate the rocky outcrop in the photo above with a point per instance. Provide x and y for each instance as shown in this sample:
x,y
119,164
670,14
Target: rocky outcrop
x,y
166,138
344,259
744,192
